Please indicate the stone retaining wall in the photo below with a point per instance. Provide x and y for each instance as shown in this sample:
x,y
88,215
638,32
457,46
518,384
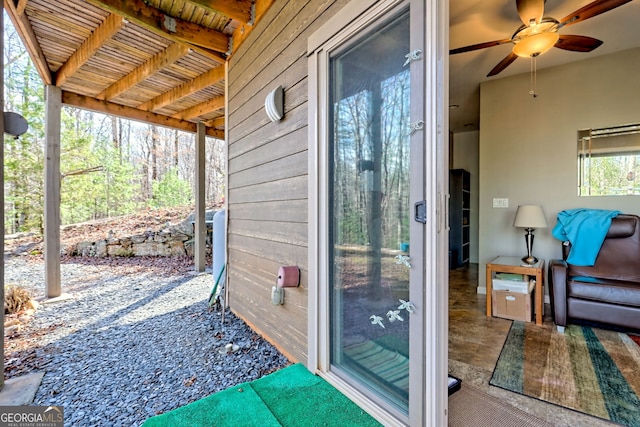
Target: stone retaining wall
x,y
174,240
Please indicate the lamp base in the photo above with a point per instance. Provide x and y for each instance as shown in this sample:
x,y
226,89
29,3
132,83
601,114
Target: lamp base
x,y
530,259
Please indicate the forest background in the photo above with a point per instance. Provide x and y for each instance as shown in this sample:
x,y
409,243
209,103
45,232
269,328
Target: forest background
x,y
109,166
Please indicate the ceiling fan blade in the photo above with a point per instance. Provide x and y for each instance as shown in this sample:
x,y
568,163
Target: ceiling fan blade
x,y
503,64
577,43
478,46
589,11
530,9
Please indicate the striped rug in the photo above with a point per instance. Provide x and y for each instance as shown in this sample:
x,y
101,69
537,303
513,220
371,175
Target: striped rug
x,y
587,369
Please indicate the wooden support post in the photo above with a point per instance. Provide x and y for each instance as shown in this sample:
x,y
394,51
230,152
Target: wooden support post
x,y
201,226
53,109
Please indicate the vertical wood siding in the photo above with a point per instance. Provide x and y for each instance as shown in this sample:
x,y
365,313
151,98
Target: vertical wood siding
x,y
268,176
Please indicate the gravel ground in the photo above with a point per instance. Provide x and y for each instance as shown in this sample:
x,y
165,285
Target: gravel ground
x,y
131,342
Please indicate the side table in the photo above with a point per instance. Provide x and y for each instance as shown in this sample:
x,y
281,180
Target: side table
x,y
505,264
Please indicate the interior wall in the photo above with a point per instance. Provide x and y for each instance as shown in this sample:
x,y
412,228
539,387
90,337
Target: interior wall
x,y
464,155
528,146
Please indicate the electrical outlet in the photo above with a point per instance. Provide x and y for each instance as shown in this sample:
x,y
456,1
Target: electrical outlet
x,y
500,203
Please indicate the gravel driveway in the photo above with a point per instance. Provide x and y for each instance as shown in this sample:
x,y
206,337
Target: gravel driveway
x,y
133,341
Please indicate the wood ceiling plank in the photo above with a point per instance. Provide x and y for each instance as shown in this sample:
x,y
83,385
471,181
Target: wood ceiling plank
x,y
240,10
155,20
23,27
106,107
209,106
111,25
162,59
207,79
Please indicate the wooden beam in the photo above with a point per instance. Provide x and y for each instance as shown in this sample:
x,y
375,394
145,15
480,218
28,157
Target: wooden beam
x,y
240,10
53,110
242,32
159,61
209,78
111,25
213,104
20,6
106,107
216,123
23,27
156,21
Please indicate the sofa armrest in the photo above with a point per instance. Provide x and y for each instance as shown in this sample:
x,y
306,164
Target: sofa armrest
x,y
558,291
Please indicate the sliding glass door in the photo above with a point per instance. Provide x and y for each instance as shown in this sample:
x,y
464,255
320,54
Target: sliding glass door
x,y
374,230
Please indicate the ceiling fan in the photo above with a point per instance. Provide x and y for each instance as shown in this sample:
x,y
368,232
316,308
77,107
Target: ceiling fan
x,y
539,34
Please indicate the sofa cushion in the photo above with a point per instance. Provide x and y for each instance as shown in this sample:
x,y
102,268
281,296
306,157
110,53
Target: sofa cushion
x,y
602,290
623,226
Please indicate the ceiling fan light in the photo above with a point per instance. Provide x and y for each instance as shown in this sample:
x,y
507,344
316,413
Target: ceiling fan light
x,y
535,44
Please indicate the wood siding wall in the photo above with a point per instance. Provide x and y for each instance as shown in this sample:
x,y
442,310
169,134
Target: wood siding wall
x,y
268,176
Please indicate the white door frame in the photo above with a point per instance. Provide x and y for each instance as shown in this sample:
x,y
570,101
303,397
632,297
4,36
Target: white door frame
x,y
428,391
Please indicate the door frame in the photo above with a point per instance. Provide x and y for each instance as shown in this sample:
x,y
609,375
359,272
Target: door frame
x,y
428,397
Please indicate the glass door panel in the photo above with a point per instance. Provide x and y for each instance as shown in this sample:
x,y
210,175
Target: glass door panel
x,y
370,211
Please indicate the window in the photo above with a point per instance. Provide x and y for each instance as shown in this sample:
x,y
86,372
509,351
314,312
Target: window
x,y
609,161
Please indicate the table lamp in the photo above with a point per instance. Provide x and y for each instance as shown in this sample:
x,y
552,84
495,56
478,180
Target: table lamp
x,y
530,217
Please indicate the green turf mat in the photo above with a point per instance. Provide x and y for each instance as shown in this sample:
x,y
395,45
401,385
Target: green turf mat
x,y
230,407
290,397
298,398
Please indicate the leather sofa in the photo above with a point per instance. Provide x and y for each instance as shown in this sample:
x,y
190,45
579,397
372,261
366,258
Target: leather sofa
x,y
609,291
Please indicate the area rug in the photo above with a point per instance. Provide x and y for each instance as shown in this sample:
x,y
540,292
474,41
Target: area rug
x,y
586,369
289,397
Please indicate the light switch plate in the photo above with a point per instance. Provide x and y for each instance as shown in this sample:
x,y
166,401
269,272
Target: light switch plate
x,y
500,203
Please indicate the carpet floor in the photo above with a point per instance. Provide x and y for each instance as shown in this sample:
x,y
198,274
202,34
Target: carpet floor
x,y
472,408
289,397
590,370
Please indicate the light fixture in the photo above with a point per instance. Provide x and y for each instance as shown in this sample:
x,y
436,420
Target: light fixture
x,y
535,44
14,124
530,217
274,104
536,38
531,41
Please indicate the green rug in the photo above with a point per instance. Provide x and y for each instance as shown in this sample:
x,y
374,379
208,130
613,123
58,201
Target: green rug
x,y
290,397
589,370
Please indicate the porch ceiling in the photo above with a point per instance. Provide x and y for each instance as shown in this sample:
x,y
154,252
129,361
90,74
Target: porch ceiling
x,y
157,61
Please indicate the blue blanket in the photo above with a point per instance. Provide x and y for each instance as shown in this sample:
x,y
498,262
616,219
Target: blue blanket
x,y
586,229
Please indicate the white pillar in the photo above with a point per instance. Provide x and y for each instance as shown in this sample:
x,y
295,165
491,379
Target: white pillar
x,y
53,109
201,226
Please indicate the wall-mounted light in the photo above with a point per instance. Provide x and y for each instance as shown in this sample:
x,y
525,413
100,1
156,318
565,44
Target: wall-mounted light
x,y
274,104
14,124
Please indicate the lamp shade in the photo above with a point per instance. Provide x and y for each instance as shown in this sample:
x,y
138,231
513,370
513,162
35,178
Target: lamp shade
x,y
530,216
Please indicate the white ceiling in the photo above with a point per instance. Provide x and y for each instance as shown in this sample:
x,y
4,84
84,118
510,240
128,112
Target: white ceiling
x,y
478,21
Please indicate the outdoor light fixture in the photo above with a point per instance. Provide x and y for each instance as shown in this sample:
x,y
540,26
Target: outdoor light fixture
x,y
14,124
530,217
274,104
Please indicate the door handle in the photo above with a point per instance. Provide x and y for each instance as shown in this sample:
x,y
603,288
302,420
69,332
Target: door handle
x,y
420,211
